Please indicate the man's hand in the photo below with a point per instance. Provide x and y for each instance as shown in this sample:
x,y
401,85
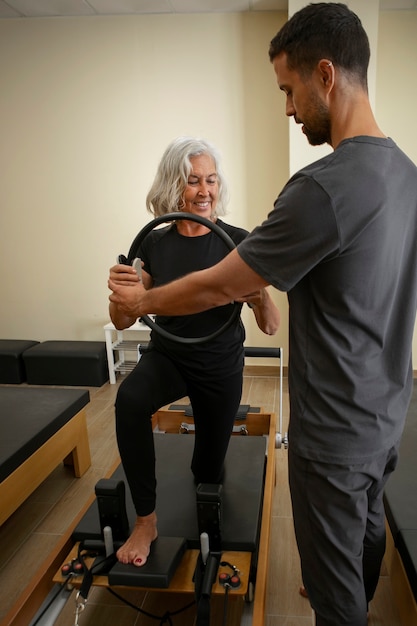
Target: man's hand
x,y
126,290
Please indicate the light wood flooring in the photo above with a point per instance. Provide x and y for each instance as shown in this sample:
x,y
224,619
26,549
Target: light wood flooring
x,y
40,522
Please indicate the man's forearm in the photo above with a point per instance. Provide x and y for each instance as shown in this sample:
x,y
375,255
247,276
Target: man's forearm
x,y
198,291
187,295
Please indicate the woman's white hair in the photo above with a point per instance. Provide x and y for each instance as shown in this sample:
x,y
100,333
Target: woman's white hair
x,y
166,193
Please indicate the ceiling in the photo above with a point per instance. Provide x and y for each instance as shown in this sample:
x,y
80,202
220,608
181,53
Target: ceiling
x,y
70,8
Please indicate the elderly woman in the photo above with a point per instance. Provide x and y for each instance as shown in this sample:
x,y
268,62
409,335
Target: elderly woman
x,y
188,178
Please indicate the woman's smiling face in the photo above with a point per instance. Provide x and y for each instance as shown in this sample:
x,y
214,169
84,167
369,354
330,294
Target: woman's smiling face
x,y
200,195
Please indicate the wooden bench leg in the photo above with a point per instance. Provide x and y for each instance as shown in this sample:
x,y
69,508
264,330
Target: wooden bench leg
x,y
79,457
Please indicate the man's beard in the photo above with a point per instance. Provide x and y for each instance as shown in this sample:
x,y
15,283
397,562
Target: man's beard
x,y
316,123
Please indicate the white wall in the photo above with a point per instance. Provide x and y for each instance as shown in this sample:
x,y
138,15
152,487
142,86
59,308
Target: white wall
x,y
87,107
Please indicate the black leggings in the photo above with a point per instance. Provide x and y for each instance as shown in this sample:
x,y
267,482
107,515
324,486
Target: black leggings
x,y
157,381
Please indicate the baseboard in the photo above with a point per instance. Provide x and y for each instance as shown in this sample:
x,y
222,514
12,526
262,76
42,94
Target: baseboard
x,y
273,370
263,370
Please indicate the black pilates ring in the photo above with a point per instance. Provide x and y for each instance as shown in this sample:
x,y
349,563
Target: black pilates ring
x,y
171,217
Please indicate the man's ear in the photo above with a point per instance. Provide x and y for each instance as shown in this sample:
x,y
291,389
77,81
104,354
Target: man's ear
x,y
326,72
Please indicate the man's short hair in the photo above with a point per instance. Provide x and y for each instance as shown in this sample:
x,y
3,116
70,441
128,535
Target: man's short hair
x,y
324,30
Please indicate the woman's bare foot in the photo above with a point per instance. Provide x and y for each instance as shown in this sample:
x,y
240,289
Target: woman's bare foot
x,y
137,547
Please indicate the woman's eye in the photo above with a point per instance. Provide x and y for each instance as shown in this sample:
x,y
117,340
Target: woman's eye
x,y
209,181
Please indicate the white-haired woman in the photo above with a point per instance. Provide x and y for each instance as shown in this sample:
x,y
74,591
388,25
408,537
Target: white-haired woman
x,y
188,178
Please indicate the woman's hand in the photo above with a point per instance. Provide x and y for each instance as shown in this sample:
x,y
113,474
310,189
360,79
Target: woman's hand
x,y
123,275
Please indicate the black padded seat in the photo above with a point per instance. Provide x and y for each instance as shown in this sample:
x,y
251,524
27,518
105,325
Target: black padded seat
x,y
176,508
82,363
29,417
265,351
12,367
400,497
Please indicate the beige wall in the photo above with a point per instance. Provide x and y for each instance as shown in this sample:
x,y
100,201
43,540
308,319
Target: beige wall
x,y
87,107
396,93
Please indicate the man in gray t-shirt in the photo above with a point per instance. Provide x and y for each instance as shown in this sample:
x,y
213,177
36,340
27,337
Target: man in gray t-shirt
x,y
342,241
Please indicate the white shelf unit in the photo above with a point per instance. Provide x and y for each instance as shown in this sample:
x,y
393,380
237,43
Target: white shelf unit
x,y
122,347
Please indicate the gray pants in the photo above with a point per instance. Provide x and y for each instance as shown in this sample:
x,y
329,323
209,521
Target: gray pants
x,y
339,522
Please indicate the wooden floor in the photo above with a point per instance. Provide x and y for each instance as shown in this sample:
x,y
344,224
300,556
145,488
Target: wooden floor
x,y
38,525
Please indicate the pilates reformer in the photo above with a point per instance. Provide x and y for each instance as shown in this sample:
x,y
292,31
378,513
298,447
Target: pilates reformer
x,y
237,517
202,529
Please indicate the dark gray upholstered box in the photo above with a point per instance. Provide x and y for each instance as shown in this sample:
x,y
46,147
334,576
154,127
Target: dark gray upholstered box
x,y
81,363
12,367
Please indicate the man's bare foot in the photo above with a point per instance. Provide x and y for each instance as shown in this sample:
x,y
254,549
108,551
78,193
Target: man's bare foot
x,y
137,547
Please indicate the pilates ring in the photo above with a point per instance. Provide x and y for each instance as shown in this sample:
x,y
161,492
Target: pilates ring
x,y
171,217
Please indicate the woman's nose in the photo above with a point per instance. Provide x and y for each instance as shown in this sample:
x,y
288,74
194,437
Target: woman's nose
x,y
203,190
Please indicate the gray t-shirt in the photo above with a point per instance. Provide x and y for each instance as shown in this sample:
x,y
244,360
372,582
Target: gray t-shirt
x,y
342,241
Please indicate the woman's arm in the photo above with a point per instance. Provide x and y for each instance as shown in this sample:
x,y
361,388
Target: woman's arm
x,y
120,319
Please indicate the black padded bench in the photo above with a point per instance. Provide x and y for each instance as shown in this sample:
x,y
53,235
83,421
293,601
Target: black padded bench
x,y
39,428
82,363
400,497
12,367
242,497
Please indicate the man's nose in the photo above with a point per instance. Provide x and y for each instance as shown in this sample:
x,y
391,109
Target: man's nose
x,y
289,107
